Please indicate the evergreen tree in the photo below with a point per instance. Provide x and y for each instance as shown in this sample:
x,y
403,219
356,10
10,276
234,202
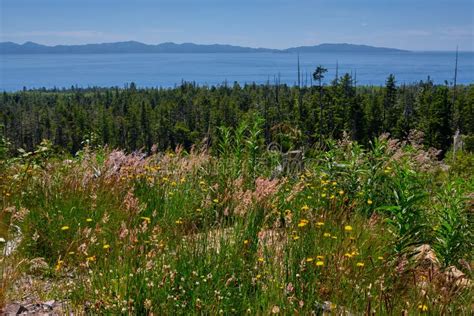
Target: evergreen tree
x,y
389,101
318,76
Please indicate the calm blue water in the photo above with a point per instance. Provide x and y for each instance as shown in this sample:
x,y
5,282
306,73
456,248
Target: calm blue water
x,y
167,70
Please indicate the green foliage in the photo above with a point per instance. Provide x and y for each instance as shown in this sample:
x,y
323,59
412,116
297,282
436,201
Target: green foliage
x,y
135,119
453,236
207,230
469,143
4,144
318,74
406,217
461,164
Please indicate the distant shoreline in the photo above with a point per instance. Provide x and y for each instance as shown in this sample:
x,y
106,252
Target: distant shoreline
x,y
137,47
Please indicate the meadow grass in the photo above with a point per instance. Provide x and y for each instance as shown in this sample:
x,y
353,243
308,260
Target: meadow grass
x,y
383,230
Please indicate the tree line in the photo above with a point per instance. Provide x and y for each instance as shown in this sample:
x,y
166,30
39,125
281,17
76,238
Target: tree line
x,y
132,118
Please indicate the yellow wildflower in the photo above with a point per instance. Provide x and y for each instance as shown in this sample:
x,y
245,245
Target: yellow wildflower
x,y
65,228
369,201
319,263
309,259
341,192
59,264
380,258
327,235
146,219
246,242
215,201
323,195
179,221
296,237
320,257
303,223
88,220
106,246
348,255
305,207
423,307
348,228
91,258
320,224
261,259
360,264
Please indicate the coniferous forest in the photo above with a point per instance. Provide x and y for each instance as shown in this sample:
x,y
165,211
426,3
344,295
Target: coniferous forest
x,y
135,119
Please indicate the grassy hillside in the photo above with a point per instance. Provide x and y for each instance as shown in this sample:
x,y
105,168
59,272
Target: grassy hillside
x,y
235,229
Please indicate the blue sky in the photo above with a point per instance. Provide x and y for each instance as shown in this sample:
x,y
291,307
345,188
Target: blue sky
x,y
414,24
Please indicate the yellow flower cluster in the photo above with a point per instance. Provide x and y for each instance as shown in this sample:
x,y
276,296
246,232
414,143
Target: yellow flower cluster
x,y
423,307
303,223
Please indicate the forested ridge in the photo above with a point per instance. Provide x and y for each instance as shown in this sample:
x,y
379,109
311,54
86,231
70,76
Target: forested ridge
x,y
132,118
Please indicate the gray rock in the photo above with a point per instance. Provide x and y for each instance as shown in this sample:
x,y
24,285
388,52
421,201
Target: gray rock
x,y
49,304
14,309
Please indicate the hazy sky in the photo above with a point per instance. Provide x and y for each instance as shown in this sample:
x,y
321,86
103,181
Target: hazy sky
x,y
408,24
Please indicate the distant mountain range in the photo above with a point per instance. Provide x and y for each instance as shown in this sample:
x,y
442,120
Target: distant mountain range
x,y
137,47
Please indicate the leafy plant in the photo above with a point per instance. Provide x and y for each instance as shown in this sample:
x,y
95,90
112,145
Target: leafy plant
x,y
406,217
453,230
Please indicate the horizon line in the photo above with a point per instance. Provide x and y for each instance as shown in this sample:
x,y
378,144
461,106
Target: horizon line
x,y
236,45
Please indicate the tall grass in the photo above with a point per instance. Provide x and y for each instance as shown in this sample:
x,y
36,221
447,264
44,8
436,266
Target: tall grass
x,y
190,232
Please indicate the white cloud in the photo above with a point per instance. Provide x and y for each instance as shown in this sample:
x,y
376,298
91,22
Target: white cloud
x,y
74,34
459,31
416,33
